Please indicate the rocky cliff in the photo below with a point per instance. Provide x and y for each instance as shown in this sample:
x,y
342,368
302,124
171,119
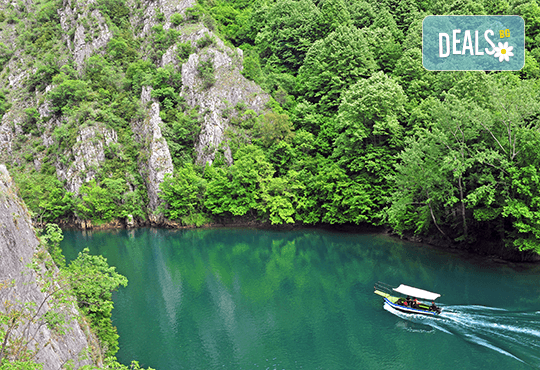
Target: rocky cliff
x,y
158,158
21,295
67,68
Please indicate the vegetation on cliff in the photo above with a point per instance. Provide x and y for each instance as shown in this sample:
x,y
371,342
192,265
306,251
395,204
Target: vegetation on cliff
x,y
40,326
88,280
356,131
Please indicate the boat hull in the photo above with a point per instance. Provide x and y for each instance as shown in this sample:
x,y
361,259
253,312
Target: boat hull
x,y
410,309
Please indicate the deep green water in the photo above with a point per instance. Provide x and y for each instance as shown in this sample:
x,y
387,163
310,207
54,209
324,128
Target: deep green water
x,y
259,299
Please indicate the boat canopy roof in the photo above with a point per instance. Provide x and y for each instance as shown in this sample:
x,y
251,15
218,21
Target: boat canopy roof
x,y
417,293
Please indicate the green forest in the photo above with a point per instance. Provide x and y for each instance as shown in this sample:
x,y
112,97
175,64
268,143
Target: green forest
x,y
357,131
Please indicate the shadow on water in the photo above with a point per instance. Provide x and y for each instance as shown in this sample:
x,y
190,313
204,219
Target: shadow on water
x,y
512,333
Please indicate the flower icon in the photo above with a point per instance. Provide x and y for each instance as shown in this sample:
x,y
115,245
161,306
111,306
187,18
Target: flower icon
x,y
503,52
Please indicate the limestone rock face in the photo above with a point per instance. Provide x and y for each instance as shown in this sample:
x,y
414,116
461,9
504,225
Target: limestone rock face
x,y
18,243
6,140
87,39
10,127
157,159
147,20
86,32
84,159
229,89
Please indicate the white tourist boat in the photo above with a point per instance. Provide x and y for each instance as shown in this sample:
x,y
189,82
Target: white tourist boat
x,y
408,301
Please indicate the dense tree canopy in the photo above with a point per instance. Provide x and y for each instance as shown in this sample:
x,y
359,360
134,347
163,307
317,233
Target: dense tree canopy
x,y
471,173
333,64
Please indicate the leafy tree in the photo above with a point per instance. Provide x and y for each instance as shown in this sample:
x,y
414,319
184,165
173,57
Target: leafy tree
x,y
386,50
52,238
68,94
140,73
102,203
413,36
96,203
290,27
384,19
308,198
370,111
181,130
30,123
332,183
177,19
122,51
278,200
21,365
416,81
273,128
206,72
306,116
4,106
237,190
334,13
361,12
116,10
163,39
530,11
5,55
218,194
531,69
497,7
464,7
333,64
184,50
414,206
406,12
524,208
304,144
282,155
327,135
194,13
45,196
184,193
93,282
251,65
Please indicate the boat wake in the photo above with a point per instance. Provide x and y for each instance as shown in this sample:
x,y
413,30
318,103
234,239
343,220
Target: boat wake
x,y
514,334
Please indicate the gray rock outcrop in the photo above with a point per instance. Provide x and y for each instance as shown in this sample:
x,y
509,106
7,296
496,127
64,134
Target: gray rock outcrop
x,y
87,39
147,20
18,244
157,159
86,156
229,89
230,86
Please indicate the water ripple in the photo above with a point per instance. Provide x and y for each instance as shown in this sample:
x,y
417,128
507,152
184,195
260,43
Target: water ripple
x,y
514,334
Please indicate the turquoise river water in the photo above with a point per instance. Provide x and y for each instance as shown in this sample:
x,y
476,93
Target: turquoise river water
x,y
260,299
